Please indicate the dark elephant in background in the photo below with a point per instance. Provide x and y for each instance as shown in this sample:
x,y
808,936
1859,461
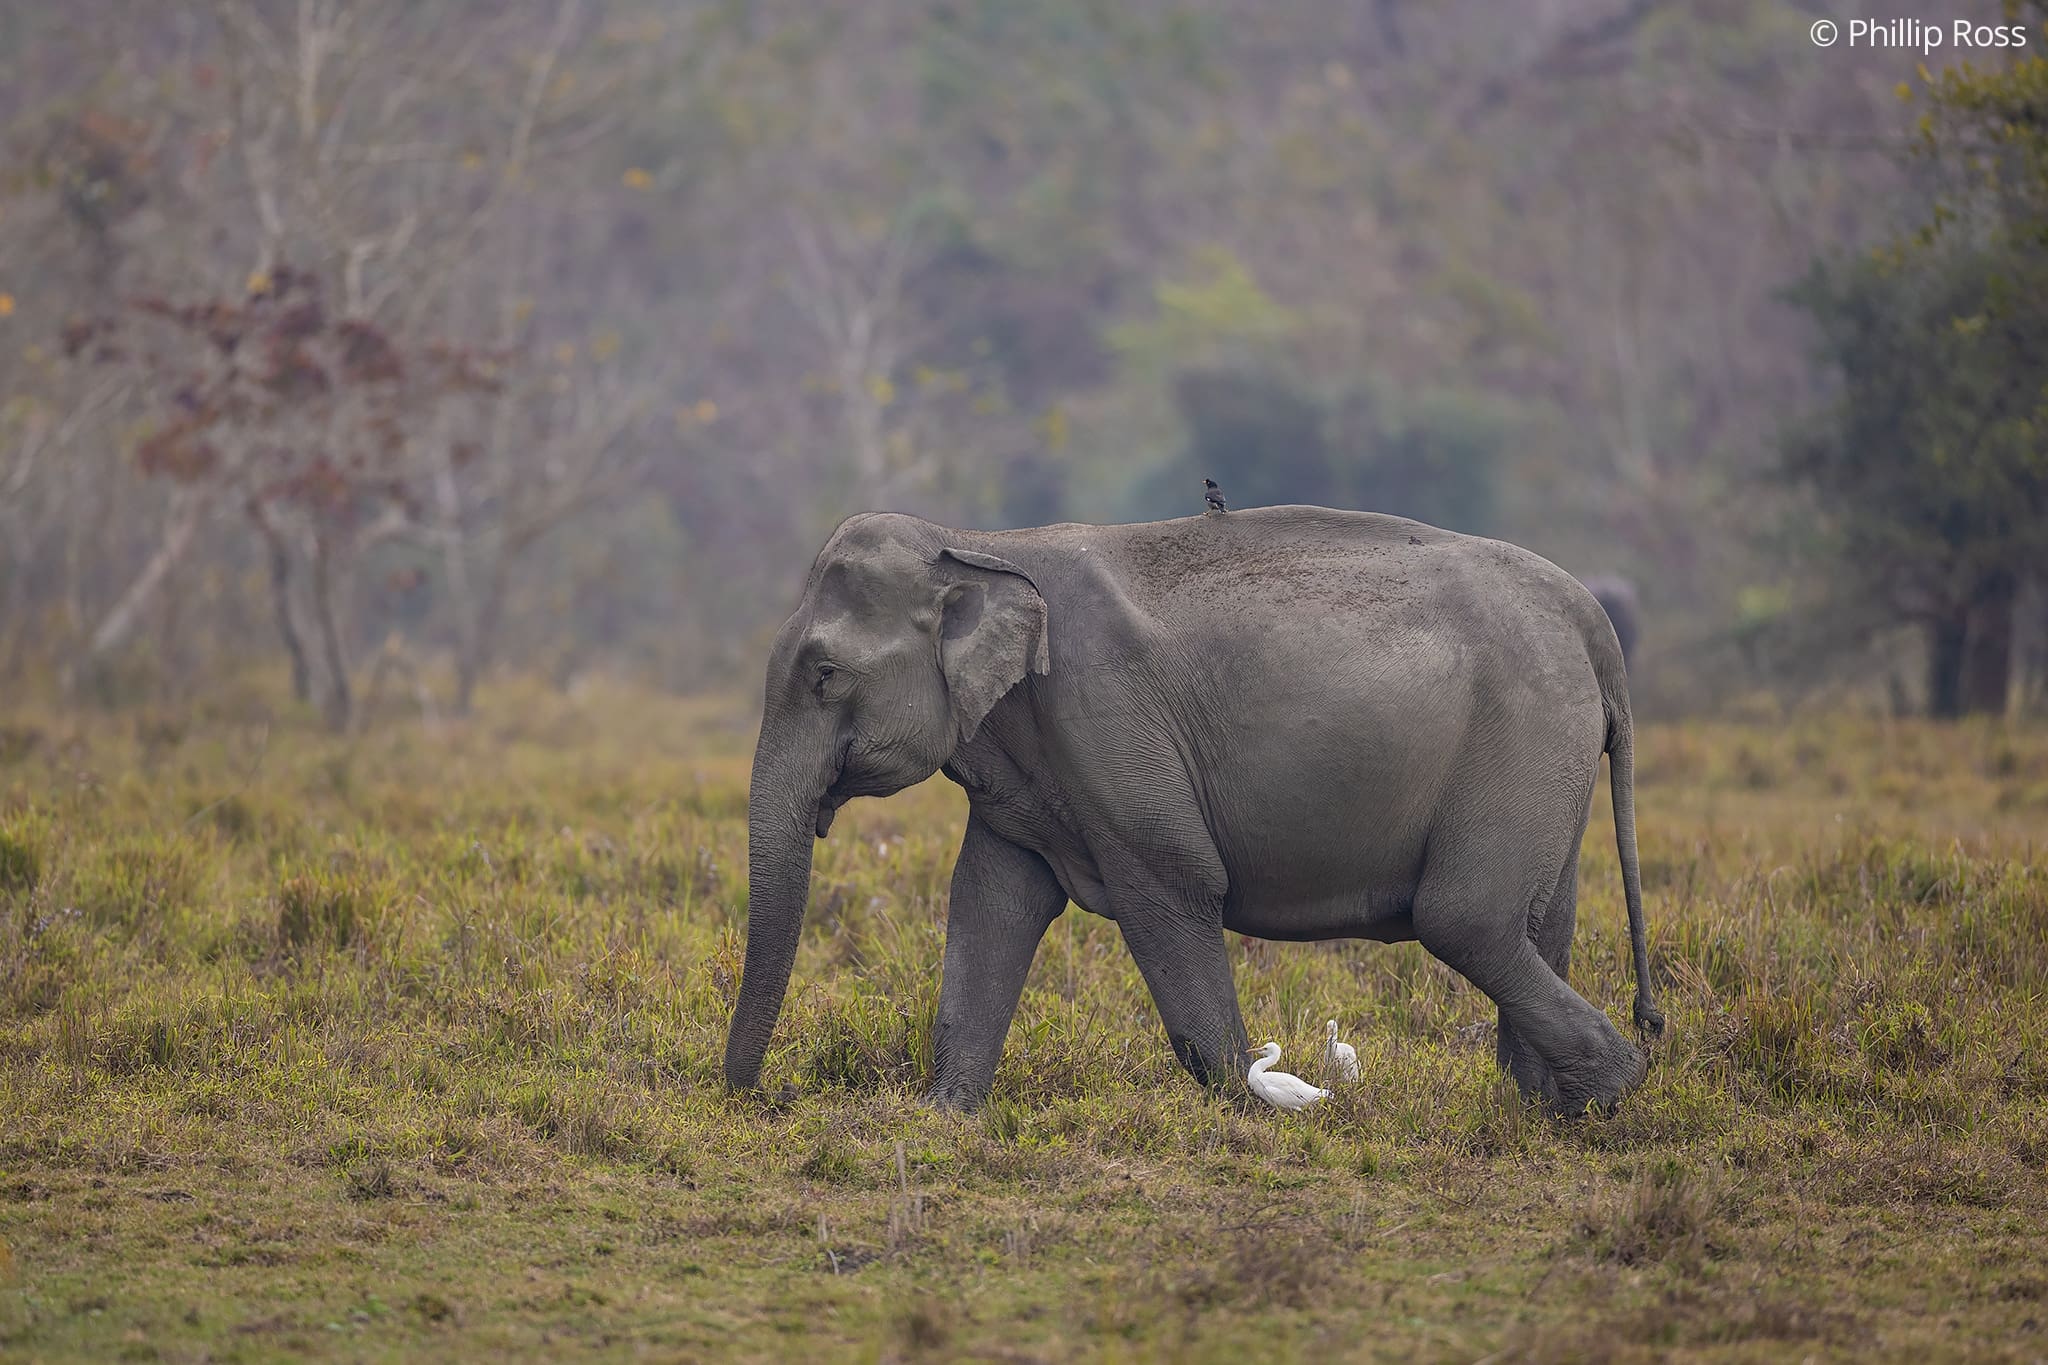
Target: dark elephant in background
x,y
1290,722
1617,597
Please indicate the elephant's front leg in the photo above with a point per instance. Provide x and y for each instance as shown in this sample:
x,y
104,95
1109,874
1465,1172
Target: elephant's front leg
x,y
1180,949
1002,900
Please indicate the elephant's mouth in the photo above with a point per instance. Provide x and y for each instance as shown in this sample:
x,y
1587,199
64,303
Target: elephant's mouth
x,y
836,794
845,789
875,775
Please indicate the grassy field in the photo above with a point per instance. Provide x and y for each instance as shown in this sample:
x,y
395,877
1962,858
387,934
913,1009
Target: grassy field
x,y
408,1046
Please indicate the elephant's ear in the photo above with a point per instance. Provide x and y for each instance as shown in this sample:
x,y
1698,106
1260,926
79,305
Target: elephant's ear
x,y
991,633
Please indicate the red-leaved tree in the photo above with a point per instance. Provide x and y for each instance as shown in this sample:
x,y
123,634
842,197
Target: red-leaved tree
x,y
317,431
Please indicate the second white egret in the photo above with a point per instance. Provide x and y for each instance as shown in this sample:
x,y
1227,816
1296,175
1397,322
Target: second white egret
x,y
1342,1058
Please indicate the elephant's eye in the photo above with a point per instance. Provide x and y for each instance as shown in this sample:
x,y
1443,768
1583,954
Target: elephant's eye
x,y
826,673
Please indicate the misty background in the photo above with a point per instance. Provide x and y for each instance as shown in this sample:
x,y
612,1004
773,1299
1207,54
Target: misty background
x,y
396,346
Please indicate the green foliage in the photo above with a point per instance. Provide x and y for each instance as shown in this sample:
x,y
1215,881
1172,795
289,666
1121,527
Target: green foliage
x,y
1215,312
1983,126
1929,475
1932,468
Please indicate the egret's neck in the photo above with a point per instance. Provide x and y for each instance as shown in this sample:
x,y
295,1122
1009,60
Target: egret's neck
x,y
1259,1067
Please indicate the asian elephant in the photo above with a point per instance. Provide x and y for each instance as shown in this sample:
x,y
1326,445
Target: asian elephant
x,y
1618,598
1291,722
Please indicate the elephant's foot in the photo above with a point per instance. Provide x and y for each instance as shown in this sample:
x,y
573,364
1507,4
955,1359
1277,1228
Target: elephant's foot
x,y
1580,1060
959,1096
1598,1085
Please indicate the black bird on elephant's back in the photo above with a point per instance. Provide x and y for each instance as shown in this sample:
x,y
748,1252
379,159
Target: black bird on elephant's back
x,y
1617,597
1212,498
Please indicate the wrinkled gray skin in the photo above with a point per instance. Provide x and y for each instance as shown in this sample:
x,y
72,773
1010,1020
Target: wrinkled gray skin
x,y
1617,597
1290,722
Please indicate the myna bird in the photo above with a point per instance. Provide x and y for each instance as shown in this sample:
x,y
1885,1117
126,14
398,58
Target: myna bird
x,y
1212,497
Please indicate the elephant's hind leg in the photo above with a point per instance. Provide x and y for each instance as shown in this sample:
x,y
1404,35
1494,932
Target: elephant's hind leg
x,y
1474,915
1551,924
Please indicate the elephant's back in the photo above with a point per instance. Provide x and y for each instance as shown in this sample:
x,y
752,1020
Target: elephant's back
x,y
1366,594
1207,571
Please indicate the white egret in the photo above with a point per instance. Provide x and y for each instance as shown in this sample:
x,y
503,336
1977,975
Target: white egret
x,y
1277,1088
1342,1058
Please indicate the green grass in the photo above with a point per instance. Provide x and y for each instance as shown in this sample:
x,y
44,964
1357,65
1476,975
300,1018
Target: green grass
x,y
409,1046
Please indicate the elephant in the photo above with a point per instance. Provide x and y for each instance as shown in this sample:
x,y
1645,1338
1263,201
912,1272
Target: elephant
x,y
1294,723
1617,597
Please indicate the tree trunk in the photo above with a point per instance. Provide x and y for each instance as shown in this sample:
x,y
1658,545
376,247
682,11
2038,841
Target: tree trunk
x,y
1946,636
1987,654
14,609
475,643
281,605
336,701
455,571
2030,647
466,669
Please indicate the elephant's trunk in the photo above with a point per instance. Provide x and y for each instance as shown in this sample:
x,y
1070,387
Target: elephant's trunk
x,y
782,814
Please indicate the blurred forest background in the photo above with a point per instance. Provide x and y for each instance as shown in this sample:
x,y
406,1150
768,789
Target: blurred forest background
x,y
400,343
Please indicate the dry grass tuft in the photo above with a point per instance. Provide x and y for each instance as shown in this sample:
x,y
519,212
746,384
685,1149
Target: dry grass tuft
x,y
1665,1213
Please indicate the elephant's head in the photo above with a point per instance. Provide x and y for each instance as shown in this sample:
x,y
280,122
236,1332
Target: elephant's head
x,y
901,646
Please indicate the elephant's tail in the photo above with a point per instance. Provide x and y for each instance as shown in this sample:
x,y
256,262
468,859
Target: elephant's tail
x,y
1621,775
